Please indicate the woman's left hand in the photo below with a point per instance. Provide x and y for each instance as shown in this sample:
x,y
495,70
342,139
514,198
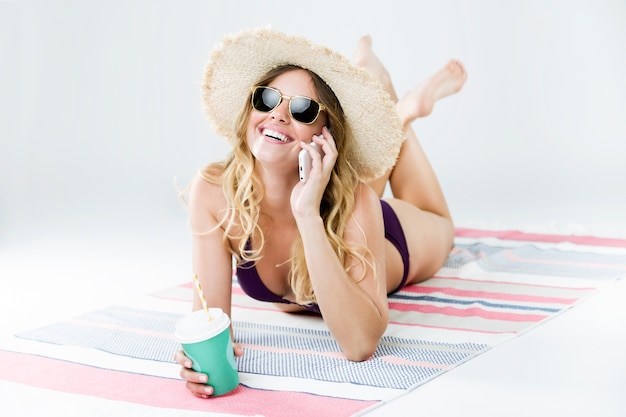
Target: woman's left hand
x,y
307,196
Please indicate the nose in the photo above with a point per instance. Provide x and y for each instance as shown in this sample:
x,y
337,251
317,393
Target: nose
x,y
280,113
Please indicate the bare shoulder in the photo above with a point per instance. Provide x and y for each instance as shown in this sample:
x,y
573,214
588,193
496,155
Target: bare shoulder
x,y
204,186
206,200
367,214
367,204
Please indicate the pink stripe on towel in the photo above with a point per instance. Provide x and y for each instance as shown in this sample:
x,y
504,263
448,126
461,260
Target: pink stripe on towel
x,y
487,295
406,362
154,391
468,312
538,237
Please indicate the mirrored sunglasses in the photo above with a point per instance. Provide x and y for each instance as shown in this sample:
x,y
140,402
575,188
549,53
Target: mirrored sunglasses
x,y
302,109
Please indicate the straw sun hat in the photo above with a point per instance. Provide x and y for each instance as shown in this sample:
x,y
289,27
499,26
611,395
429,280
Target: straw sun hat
x,y
241,59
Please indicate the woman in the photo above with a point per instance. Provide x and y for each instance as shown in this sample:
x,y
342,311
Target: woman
x,y
327,245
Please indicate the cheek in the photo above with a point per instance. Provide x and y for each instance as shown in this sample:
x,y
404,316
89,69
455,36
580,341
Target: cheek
x,y
321,121
254,119
253,122
307,131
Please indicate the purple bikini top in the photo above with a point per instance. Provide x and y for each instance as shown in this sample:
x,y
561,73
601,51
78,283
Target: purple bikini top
x,y
250,282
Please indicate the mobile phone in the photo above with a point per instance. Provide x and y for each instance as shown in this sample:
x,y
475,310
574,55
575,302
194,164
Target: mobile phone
x,y
305,160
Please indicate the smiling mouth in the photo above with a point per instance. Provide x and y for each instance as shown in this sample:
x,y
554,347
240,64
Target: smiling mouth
x,y
275,135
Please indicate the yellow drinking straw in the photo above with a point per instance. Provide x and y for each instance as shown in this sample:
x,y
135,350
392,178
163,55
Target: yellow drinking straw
x,y
201,294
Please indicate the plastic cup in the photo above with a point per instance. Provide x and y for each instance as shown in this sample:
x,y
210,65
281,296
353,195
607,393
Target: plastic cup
x,y
207,344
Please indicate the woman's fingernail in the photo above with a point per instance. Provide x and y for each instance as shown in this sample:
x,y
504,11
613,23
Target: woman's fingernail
x,y
203,378
209,390
188,364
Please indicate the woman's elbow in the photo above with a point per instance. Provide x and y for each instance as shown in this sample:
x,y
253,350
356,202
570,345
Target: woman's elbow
x,y
360,351
358,356
360,345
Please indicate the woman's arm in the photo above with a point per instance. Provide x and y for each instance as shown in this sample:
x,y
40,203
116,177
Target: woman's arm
x,y
212,264
211,261
354,305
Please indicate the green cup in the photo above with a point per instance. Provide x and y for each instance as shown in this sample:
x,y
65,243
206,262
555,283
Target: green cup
x,y
205,338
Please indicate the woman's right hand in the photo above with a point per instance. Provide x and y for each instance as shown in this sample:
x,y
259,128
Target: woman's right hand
x,y
196,382
307,196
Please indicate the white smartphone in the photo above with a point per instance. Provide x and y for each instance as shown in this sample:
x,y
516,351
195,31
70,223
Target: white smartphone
x,y
304,161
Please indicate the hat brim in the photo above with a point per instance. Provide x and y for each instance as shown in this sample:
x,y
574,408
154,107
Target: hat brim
x,y
241,59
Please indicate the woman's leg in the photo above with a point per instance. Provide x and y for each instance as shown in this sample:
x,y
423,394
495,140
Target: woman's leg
x,y
412,179
419,201
364,57
419,102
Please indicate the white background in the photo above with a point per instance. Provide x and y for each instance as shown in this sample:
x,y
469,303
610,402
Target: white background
x,y
101,106
101,123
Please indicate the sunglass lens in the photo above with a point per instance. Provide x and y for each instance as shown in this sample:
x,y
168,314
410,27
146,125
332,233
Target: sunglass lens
x,y
265,99
303,109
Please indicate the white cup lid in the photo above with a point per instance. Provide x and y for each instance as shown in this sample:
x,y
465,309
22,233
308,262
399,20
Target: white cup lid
x,y
198,326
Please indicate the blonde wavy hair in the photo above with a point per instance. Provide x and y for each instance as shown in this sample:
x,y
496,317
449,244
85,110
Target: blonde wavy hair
x,y
243,191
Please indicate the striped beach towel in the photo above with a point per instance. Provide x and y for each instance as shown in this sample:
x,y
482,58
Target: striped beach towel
x,y
493,287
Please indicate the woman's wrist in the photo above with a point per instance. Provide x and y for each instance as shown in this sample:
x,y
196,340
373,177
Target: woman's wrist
x,y
305,222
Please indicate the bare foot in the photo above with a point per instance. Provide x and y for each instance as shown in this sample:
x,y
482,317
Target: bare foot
x,y
419,102
365,57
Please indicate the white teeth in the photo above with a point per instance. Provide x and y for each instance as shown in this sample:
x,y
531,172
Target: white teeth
x,y
275,135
